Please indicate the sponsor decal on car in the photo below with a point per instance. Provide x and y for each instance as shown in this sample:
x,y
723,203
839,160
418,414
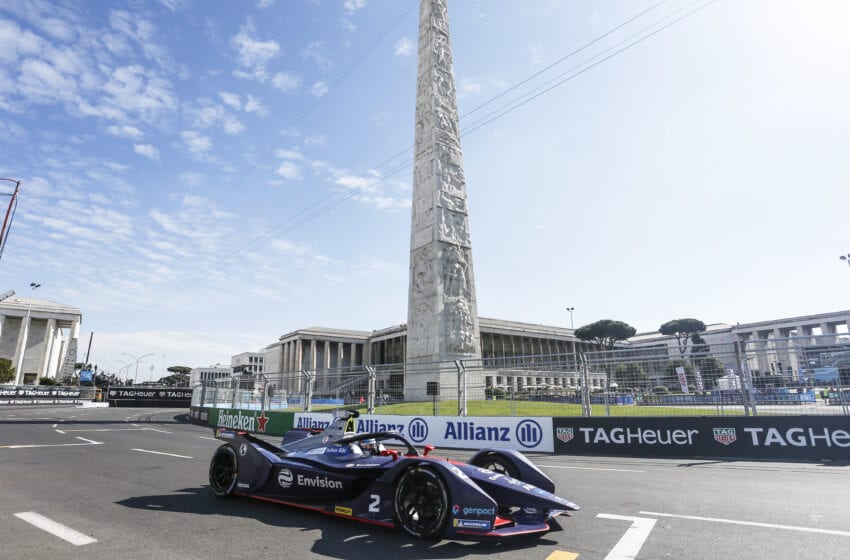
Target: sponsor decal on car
x,y
565,434
471,524
243,450
285,478
338,450
242,485
225,434
725,435
318,481
480,511
343,510
455,509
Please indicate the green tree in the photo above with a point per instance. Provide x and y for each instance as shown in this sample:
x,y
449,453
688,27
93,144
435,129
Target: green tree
x,y
605,333
179,369
7,370
630,374
47,381
683,330
711,369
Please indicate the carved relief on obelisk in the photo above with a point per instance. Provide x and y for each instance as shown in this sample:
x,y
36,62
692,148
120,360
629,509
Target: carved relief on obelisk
x,y
442,321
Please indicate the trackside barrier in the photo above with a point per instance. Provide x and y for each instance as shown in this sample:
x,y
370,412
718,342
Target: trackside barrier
x,y
782,438
787,437
44,394
149,396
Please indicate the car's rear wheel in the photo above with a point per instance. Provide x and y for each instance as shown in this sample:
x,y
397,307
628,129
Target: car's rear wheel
x,y
223,471
421,503
497,462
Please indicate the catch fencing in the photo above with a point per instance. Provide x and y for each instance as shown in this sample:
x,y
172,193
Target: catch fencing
x,y
796,376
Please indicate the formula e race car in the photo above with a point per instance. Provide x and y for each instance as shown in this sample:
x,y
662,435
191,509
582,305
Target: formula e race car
x,y
381,478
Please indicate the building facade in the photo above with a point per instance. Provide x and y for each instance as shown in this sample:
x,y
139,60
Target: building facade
x,y
36,336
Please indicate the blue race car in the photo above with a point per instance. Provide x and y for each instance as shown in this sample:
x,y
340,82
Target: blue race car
x,y
381,478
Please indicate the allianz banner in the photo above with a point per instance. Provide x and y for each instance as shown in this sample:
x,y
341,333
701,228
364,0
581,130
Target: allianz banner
x,y
786,437
458,432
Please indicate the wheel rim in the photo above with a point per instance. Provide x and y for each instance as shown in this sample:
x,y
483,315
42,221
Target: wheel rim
x,y
223,470
422,503
499,465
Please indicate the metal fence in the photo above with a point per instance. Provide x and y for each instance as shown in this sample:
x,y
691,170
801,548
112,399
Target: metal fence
x,y
766,377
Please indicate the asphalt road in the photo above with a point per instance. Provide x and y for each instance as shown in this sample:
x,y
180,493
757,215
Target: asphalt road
x,y
132,483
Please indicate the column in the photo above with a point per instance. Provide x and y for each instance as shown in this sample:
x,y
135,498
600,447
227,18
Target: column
x,y
48,347
19,349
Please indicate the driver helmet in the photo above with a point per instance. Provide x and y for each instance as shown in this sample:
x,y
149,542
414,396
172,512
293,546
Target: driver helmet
x,y
369,445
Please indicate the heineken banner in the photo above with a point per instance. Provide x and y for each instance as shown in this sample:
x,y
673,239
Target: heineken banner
x,y
255,421
163,397
786,437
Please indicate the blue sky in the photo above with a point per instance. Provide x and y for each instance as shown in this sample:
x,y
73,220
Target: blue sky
x,y
179,189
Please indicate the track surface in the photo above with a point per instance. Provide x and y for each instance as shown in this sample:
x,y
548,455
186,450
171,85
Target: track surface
x,y
132,483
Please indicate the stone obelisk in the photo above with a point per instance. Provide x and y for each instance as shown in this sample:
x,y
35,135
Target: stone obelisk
x,y
442,315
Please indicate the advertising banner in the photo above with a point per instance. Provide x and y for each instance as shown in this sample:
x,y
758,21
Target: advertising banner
x,y
38,394
255,421
683,381
787,437
140,396
458,432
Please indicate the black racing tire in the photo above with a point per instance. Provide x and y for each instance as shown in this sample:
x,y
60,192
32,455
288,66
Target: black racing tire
x,y
223,471
421,502
496,462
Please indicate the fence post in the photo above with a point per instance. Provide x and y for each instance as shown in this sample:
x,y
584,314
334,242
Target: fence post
x,y
585,389
308,393
370,391
234,388
461,388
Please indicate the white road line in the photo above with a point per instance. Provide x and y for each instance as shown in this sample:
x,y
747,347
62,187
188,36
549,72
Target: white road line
x,y
59,432
207,437
629,545
753,524
161,453
586,468
109,430
33,445
155,430
55,529
54,425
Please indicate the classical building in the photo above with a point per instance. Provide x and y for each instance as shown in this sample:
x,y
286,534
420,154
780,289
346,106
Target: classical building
x,y
211,373
36,336
247,363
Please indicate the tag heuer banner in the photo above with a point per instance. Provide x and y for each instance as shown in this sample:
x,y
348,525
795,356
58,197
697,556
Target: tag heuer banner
x,y
798,437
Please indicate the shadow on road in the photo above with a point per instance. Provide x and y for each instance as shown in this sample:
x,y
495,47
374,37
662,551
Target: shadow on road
x,y
340,538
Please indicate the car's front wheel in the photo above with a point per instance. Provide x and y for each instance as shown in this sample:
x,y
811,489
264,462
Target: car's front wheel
x,y
421,503
496,462
223,471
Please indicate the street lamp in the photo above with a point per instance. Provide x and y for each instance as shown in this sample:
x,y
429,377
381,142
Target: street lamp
x,y
137,360
125,367
845,258
571,309
19,370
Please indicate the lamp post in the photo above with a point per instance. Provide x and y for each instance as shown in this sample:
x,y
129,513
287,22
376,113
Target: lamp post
x,y
19,371
137,360
845,258
571,309
125,367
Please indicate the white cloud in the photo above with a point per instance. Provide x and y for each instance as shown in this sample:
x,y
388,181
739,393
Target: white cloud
x,y
352,6
288,170
252,53
286,82
474,86
253,105
536,54
146,150
192,178
404,47
289,154
126,131
198,144
231,99
317,51
263,4
319,89
209,115
316,140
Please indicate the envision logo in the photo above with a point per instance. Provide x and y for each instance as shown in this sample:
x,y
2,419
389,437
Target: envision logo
x,y
417,430
284,478
529,433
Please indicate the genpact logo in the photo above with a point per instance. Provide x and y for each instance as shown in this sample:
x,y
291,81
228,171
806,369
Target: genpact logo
x,y
529,433
455,509
417,430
